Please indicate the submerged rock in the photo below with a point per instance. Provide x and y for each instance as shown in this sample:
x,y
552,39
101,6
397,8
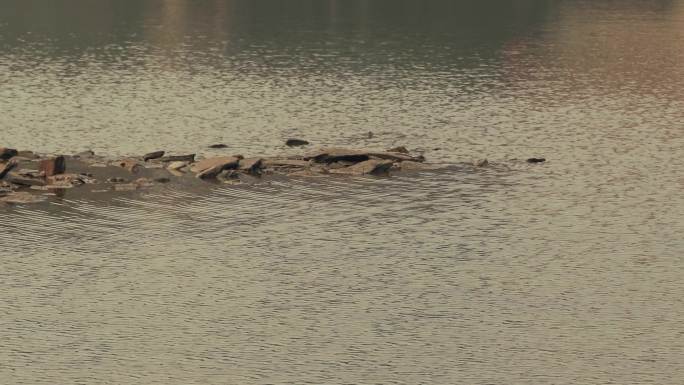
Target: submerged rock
x,y
153,155
22,198
371,166
329,155
536,160
25,180
296,142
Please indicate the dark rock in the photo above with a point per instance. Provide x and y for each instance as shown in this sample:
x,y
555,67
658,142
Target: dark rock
x,y
7,153
5,168
251,166
400,150
162,180
52,166
179,158
285,163
116,180
219,145
153,155
296,142
372,166
370,135
536,160
330,155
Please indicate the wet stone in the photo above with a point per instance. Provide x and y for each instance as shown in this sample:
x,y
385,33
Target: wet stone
x,y
129,164
372,167
5,168
153,155
218,146
293,142
399,149
221,163
7,153
178,158
536,160
52,166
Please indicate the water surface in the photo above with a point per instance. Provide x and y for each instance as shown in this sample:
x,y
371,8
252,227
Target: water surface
x,y
563,273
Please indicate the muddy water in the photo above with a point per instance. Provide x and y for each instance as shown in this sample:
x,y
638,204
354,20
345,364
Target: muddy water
x,y
567,272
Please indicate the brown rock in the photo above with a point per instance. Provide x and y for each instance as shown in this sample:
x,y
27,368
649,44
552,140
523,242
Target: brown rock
x,y
129,164
285,163
372,166
153,155
5,168
329,155
178,158
220,162
24,180
52,166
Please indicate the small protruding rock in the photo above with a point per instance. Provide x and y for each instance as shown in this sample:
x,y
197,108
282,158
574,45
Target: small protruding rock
x,y
399,149
7,153
293,142
370,135
153,155
178,158
116,180
218,146
482,163
536,160
175,166
85,154
52,166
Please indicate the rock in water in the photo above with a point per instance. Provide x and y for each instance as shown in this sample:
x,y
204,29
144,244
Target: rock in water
x,y
153,155
7,153
251,166
5,168
536,160
179,158
330,155
53,166
129,164
210,168
400,150
296,142
218,145
372,166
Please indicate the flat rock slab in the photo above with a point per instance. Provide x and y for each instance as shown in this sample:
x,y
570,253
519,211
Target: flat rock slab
x,y
178,158
220,162
371,166
330,155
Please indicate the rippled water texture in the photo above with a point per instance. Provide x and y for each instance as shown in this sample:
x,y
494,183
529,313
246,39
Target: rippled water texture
x,y
569,272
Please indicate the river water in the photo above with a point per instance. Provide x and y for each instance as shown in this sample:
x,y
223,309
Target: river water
x,y
568,272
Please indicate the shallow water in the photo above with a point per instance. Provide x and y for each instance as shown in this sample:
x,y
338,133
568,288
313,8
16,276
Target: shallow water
x,y
567,272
